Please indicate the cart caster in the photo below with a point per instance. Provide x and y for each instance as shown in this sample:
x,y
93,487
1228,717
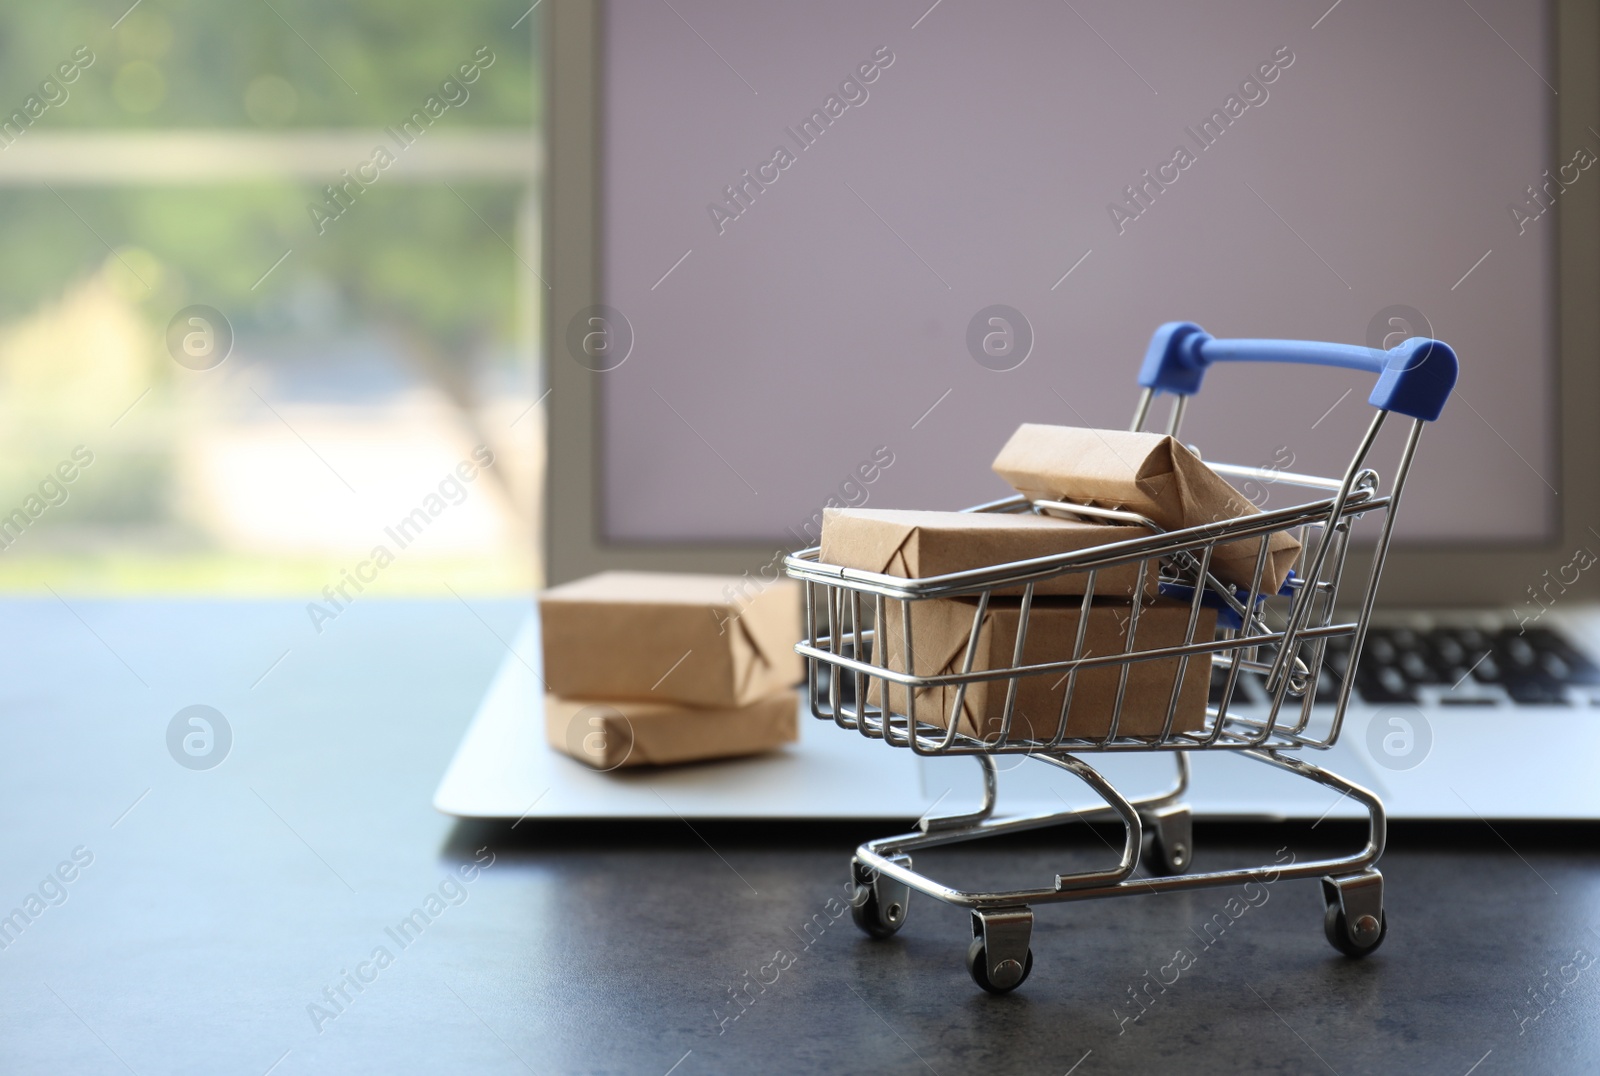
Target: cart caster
x,y
1170,847
978,968
1354,921
999,958
1340,936
878,904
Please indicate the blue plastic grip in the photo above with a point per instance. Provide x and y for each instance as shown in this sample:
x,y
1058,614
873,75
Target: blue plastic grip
x,y
1414,378
1226,617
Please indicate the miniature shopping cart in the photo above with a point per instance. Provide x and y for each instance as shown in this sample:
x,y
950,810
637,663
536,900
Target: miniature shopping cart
x,y
1279,640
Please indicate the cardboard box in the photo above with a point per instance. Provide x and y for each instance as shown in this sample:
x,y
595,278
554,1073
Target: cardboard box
x,y
612,735
916,545
940,630
702,640
1148,473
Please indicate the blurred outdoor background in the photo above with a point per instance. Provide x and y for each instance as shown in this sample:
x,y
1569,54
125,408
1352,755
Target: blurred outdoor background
x,y
371,351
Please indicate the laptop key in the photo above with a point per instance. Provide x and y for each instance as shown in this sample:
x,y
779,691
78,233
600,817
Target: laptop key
x,y
1531,691
1515,655
1560,658
1417,669
1449,651
1486,671
1378,648
1383,684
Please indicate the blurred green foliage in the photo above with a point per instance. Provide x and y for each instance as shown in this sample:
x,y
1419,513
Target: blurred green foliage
x,y
426,268
250,64
427,264
259,65
267,63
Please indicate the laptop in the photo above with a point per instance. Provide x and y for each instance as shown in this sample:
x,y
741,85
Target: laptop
x,y
1513,737
879,247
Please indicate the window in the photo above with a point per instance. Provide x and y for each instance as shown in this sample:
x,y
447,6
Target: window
x,y
270,302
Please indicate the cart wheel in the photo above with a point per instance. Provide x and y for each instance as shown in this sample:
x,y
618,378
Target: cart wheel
x,y
873,918
1161,859
878,904
1170,847
978,968
1337,930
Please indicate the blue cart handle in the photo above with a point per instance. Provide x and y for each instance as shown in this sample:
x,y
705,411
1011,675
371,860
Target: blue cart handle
x,y
1414,378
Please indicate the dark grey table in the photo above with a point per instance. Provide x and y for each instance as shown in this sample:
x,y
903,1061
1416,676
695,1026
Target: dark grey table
x,y
230,919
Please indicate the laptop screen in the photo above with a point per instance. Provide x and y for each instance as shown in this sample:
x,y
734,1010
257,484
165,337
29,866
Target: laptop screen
x,y
854,245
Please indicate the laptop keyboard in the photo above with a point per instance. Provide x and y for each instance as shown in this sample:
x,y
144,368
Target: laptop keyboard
x,y
1452,666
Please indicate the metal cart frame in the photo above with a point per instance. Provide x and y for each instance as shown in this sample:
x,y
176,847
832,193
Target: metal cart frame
x,y
1280,638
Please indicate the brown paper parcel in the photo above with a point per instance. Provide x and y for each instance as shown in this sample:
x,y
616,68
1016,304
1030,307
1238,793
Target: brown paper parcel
x,y
941,628
916,545
1148,473
611,735
702,640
